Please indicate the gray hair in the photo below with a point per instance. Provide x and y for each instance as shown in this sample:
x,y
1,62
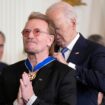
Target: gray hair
x,y
67,10
2,34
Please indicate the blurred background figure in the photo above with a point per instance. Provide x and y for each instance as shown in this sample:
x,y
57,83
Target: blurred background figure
x,y
97,39
100,40
2,42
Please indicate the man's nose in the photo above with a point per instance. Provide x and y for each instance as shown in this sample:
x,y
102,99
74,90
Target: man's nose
x,y
31,35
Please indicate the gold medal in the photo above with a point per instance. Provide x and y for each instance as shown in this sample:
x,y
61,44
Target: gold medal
x,y
32,75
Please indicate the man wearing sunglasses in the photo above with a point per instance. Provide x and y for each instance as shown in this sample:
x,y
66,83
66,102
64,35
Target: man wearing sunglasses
x,y
40,79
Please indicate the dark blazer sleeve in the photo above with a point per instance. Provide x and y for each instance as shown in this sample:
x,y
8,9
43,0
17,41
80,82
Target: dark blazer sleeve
x,y
66,91
93,74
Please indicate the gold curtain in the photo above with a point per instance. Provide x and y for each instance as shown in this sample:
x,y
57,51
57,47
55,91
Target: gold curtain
x,y
75,2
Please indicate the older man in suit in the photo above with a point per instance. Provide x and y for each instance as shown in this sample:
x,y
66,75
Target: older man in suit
x,y
85,57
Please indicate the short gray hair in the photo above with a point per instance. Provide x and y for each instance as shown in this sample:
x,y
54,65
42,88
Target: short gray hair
x,y
2,34
67,10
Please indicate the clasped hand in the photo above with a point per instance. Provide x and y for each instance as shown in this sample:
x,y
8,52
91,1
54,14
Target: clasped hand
x,y
25,90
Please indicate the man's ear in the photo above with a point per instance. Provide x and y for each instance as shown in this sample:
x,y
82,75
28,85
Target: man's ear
x,y
74,22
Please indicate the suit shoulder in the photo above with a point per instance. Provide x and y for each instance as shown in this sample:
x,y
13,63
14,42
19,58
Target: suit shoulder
x,y
89,45
62,67
14,66
17,63
95,46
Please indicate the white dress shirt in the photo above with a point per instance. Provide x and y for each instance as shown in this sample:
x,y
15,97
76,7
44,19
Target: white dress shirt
x,y
70,47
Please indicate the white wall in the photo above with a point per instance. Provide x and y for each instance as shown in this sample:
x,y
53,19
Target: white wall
x,y
91,18
83,17
97,17
14,13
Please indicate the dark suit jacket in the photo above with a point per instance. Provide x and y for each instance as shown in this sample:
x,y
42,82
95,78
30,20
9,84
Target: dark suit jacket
x,y
89,58
2,65
103,101
54,84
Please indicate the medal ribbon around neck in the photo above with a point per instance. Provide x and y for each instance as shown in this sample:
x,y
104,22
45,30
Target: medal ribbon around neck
x,y
39,65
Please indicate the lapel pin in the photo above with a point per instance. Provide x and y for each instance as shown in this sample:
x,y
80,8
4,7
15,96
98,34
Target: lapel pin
x,y
40,79
76,53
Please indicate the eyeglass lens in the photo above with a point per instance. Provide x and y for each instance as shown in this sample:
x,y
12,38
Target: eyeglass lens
x,y
36,32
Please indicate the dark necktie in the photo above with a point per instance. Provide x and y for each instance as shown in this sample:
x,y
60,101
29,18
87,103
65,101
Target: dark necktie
x,y
63,51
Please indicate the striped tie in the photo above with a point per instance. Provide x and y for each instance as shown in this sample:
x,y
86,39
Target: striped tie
x,y
63,51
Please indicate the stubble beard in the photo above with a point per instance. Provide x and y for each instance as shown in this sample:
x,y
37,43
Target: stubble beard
x,y
29,52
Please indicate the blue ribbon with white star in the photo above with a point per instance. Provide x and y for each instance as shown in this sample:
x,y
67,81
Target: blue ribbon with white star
x,y
39,65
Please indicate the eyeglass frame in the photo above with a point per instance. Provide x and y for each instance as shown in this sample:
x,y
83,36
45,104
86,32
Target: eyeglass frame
x,y
35,31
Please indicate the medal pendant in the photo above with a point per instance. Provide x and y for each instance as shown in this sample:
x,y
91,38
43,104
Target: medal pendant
x,y
32,75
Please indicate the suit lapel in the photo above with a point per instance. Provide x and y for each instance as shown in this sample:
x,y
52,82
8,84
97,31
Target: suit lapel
x,y
78,52
41,79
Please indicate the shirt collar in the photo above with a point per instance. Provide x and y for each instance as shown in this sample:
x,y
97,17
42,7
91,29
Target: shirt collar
x,y
72,43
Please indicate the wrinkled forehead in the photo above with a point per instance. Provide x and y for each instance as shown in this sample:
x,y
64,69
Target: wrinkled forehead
x,y
58,19
55,15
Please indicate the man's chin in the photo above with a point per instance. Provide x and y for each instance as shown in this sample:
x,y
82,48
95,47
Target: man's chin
x,y
30,52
